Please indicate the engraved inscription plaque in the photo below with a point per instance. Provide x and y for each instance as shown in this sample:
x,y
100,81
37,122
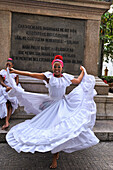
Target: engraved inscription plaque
x,y
37,39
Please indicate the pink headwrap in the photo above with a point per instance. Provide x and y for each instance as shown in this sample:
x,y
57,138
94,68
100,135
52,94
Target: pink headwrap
x,y
58,58
10,59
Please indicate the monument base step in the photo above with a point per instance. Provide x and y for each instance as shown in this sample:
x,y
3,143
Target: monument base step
x,y
3,133
35,85
104,105
103,129
22,114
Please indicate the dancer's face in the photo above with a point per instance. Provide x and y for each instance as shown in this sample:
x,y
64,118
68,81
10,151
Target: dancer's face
x,y
57,69
9,64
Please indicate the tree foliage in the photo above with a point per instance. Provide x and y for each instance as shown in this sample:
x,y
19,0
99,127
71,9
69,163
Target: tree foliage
x,y
106,35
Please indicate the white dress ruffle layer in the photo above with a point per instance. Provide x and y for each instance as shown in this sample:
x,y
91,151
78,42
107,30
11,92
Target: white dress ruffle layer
x,y
64,123
4,95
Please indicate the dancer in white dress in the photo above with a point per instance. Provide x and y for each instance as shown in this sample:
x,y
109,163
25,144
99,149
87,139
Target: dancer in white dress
x,y
7,104
64,122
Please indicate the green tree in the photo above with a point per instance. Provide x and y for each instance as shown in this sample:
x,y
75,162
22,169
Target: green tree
x,y
106,38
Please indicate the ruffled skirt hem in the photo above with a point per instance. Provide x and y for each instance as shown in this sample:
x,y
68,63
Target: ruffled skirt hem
x,y
68,144
65,125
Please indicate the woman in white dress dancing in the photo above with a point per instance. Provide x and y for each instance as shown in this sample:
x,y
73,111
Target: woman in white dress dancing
x,y
7,104
64,122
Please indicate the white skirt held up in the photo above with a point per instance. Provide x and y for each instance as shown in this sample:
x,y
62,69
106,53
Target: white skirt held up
x,y
4,97
63,124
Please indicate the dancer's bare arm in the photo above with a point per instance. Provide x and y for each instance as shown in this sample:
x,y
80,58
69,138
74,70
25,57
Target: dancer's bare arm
x,y
2,82
79,79
26,73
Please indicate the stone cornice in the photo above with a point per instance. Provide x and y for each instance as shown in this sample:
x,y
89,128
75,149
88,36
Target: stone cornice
x,y
83,9
87,3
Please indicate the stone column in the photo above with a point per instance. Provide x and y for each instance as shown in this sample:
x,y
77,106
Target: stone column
x,y
5,36
91,53
91,46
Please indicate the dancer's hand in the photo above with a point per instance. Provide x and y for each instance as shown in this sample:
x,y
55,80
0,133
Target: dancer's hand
x,y
8,88
11,70
81,68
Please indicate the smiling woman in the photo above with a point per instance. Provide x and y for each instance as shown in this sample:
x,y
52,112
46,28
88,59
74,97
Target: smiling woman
x,y
57,65
57,69
64,122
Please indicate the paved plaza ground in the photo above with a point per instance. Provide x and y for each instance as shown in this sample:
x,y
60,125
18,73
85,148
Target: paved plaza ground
x,y
99,157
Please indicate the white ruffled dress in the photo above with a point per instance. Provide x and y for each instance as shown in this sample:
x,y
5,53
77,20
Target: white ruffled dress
x,y
4,95
64,122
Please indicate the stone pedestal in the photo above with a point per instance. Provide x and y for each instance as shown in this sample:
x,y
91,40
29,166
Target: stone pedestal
x,y
5,36
38,86
104,105
101,87
91,46
88,11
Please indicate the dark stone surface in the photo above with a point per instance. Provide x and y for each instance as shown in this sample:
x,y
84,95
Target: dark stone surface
x,y
99,157
37,39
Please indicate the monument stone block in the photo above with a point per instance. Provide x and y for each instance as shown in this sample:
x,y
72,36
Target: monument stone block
x,y
37,39
5,34
33,32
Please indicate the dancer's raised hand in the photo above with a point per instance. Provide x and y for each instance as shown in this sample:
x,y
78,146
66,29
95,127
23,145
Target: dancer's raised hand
x,y
81,68
12,70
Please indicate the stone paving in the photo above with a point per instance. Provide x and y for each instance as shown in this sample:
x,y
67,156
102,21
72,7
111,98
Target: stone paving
x,y
99,157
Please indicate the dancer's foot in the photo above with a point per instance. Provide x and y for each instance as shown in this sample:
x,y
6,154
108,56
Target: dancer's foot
x,y
57,155
54,162
5,126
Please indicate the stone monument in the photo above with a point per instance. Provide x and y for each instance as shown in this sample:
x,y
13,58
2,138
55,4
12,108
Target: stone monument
x,y
37,39
34,31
